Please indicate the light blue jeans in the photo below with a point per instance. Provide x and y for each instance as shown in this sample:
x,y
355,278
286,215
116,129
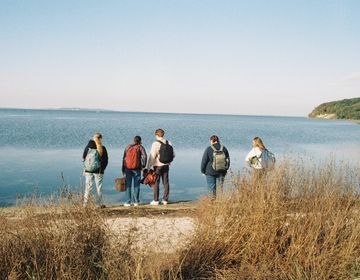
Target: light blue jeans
x,y
89,182
213,182
132,175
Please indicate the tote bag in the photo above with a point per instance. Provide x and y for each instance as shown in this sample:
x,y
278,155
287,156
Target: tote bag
x,y
120,184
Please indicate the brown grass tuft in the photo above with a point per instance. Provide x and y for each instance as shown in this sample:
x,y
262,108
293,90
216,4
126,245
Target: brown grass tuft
x,y
294,223
65,243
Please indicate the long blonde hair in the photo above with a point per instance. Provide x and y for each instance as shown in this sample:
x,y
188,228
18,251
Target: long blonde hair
x,y
97,139
257,142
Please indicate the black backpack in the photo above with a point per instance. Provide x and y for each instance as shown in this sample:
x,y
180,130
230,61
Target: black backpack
x,y
166,153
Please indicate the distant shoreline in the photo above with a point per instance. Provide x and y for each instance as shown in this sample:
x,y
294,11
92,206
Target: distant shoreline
x,y
345,109
326,118
94,110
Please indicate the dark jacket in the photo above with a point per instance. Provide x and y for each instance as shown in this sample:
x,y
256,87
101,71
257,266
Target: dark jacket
x,y
207,159
103,160
143,157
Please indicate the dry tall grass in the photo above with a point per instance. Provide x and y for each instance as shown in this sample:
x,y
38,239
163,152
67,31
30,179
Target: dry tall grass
x,y
65,243
69,241
294,223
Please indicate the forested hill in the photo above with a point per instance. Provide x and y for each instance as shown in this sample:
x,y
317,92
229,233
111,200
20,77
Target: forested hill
x,y
342,109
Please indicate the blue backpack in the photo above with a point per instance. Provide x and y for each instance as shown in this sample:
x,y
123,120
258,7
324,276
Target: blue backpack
x,y
92,160
267,160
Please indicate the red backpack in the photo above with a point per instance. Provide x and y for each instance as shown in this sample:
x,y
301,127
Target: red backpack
x,y
133,157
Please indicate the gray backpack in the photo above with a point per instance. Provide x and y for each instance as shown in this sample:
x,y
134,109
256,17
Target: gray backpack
x,y
92,160
220,162
266,160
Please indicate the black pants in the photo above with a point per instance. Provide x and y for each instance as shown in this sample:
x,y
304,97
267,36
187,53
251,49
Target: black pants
x,y
163,172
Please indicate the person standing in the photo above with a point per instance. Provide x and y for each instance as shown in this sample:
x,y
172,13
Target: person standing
x,y
134,160
161,155
214,165
259,158
95,158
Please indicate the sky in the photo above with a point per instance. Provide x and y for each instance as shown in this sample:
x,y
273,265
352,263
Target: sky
x,y
259,57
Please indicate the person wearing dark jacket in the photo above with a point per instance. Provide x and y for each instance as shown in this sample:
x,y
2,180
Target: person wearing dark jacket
x,y
96,175
215,176
134,160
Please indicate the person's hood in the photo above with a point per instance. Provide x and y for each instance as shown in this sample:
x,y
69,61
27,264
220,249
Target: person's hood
x,y
92,144
217,145
162,139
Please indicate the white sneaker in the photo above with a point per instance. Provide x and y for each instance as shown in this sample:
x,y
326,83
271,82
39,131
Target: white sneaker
x,y
136,204
164,202
154,202
127,204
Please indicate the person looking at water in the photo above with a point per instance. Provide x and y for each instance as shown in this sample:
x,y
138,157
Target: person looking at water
x,y
161,155
95,159
134,160
214,165
259,158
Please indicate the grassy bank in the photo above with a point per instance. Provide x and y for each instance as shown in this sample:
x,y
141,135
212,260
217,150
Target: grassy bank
x,y
297,222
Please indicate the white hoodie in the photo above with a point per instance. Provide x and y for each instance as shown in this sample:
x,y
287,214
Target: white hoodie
x,y
154,153
254,152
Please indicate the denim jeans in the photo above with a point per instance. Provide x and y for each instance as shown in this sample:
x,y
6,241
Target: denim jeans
x,y
132,175
213,182
89,182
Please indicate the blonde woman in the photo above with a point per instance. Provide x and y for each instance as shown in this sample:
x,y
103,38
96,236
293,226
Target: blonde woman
x,y
253,157
95,159
255,153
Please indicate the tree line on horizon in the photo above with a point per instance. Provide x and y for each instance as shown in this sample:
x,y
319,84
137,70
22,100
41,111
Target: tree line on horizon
x,y
341,109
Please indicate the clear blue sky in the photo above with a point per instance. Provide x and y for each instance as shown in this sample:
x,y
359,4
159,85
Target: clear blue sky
x,y
236,57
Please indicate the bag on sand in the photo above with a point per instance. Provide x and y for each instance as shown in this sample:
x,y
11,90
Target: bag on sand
x,y
120,184
92,160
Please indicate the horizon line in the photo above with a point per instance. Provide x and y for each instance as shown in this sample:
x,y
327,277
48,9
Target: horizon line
x,y
75,109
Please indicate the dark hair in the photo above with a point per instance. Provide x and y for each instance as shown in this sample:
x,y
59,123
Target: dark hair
x,y
159,132
214,138
137,139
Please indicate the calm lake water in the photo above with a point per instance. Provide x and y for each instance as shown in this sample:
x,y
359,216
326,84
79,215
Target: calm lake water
x,y
38,147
